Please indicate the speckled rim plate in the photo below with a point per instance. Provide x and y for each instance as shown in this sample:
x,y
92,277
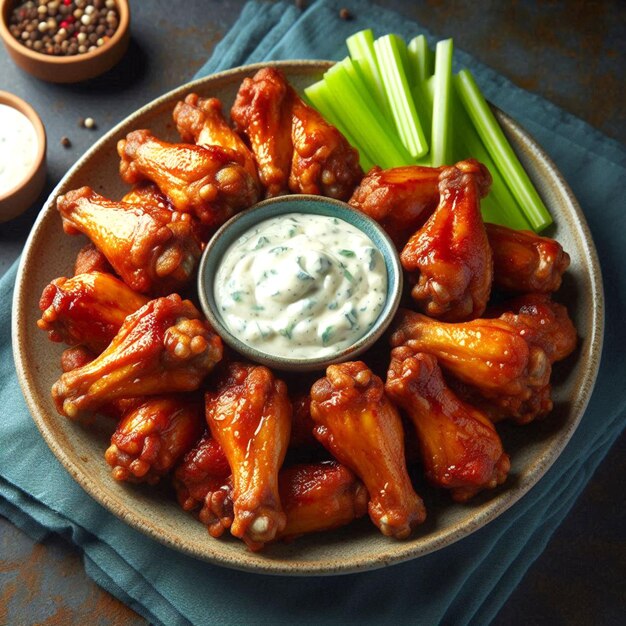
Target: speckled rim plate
x,y
49,253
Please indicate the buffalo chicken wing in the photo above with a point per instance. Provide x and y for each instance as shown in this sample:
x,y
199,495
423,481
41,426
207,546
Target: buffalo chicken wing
x,y
150,251
164,347
525,261
87,309
249,415
152,437
362,429
460,448
449,260
209,182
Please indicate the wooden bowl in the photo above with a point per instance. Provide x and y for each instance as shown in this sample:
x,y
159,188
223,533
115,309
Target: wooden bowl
x,y
356,547
25,191
67,69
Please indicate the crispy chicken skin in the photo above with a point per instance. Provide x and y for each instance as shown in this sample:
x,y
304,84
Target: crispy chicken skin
x,y
249,415
323,163
262,113
150,251
459,446
152,437
488,355
204,469
362,429
164,347
90,259
296,150
400,199
542,322
201,121
525,261
209,182
87,309
448,260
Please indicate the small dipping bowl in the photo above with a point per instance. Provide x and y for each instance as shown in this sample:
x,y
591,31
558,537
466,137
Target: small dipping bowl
x,y
303,204
66,69
25,189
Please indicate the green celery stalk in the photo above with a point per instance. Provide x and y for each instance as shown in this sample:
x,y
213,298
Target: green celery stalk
x,y
319,97
389,53
499,207
441,133
361,117
501,151
423,94
361,48
420,58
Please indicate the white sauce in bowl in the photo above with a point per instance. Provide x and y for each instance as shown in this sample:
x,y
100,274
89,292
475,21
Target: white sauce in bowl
x,y
301,286
18,147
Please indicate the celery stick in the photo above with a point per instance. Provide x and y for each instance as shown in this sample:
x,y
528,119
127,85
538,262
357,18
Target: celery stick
x,y
361,48
420,60
501,151
441,133
499,207
389,53
319,97
423,98
361,117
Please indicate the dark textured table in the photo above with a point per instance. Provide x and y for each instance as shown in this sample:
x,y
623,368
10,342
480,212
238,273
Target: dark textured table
x,y
571,52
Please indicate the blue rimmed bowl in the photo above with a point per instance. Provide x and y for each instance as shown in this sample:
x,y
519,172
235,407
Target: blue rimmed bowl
x,y
237,226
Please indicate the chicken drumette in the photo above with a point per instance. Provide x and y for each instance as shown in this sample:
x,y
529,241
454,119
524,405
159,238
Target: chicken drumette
x,y
362,429
152,437
164,347
295,148
87,309
459,446
400,199
209,182
448,260
488,355
200,121
150,251
525,261
249,415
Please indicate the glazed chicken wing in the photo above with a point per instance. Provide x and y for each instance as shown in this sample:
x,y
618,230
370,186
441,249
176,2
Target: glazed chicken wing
x,y
362,429
147,192
249,415
525,261
489,355
164,347
87,309
400,199
152,437
150,252
262,113
542,322
200,121
209,182
460,448
323,163
295,148
449,259
203,470
320,496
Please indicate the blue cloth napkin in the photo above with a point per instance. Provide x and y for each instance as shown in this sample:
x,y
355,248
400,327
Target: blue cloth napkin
x,y
466,582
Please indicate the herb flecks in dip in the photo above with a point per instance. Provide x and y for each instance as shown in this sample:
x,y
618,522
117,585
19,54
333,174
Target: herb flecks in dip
x,y
301,286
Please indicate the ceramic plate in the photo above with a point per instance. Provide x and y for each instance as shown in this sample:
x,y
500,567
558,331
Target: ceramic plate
x,y
49,254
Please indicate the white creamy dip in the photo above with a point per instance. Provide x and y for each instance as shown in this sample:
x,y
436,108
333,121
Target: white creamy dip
x,y
301,285
18,147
